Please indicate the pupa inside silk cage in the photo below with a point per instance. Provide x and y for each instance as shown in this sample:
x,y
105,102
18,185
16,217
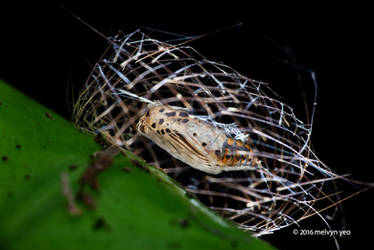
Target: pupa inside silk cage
x,y
250,155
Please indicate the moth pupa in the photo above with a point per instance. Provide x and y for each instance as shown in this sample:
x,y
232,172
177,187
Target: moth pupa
x,y
195,142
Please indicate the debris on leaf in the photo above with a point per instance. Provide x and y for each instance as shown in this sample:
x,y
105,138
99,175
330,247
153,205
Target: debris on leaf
x,y
48,115
69,196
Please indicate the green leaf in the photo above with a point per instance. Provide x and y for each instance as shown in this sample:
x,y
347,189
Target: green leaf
x,y
138,207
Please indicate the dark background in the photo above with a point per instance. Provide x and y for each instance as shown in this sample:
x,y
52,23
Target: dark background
x,y
47,53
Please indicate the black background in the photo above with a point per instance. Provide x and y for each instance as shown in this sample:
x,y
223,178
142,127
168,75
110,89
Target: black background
x,y
46,53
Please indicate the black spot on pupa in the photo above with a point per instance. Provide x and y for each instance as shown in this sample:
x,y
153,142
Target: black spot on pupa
x,y
183,114
194,134
147,114
161,121
18,146
153,125
228,157
162,131
204,144
158,132
171,114
4,158
168,130
161,110
185,120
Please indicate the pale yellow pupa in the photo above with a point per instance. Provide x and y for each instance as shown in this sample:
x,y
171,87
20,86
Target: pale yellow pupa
x,y
195,142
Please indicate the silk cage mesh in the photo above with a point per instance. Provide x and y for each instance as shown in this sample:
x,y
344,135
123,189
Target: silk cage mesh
x,y
290,185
